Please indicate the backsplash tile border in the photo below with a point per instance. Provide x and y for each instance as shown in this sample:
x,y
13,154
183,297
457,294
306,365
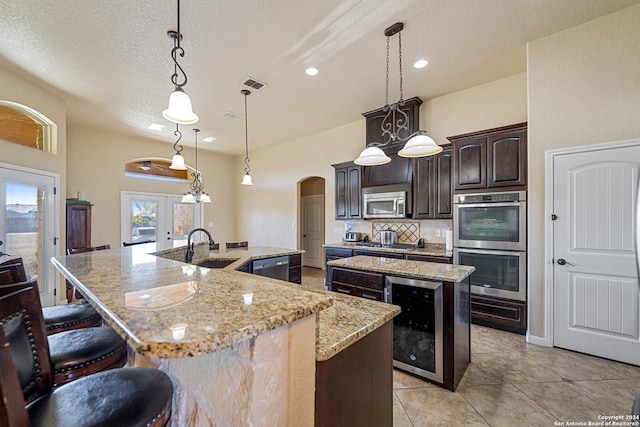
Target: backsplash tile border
x,y
406,232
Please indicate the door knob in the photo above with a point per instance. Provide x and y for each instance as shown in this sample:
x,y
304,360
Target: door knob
x,y
563,262
4,254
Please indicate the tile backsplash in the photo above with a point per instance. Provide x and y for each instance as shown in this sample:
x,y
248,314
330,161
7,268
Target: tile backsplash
x,y
407,231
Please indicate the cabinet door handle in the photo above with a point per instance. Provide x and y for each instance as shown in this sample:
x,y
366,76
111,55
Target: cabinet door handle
x,y
368,296
344,291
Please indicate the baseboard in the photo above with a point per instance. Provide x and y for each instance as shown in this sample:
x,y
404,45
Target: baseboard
x,y
532,339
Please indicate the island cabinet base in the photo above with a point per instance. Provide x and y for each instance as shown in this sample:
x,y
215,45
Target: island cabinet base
x,y
355,387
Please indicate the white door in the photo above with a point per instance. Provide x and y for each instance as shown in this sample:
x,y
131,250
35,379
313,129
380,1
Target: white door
x,y
595,280
28,224
312,230
156,217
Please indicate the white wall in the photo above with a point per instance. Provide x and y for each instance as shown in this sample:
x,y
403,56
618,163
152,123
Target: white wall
x,y
95,166
584,88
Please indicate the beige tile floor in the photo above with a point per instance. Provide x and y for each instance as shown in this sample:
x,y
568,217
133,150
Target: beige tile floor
x,y
512,383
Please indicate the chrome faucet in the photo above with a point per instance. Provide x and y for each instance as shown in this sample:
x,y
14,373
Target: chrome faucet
x,y
190,251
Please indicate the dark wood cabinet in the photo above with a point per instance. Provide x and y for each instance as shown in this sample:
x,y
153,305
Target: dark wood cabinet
x,y
375,118
348,191
432,192
499,313
361,284
295,268
398,171
490,158
78,226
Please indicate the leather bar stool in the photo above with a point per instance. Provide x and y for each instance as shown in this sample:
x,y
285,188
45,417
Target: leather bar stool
x,y
60,318
243,244
119,397
79,352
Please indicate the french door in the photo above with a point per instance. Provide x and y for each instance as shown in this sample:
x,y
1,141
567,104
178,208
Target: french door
x,y
147,217
29,224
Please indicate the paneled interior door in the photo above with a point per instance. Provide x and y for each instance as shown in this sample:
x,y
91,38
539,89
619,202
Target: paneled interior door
x,y
595,280
28,224
312,230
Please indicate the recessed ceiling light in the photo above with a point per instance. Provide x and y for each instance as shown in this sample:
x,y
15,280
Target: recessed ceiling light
x,y
155,126
209,139
311,71
420,63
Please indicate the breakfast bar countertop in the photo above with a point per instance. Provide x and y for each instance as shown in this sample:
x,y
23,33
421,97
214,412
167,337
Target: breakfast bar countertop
x,y
145,290
145,297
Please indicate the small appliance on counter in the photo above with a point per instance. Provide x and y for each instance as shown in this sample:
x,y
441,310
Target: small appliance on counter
x,y
353,236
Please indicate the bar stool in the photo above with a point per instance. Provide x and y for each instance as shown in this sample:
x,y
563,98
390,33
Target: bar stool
x,y
243,244
124,396
78,352
59,318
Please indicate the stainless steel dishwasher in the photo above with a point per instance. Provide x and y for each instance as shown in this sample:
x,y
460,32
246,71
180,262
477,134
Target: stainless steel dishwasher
x,y
277,267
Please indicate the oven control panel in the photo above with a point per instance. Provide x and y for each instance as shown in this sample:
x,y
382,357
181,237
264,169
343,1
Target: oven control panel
x,y
490,197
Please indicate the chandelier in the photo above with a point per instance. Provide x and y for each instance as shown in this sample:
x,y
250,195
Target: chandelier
x,y
179,110
396,121
196,193
246,180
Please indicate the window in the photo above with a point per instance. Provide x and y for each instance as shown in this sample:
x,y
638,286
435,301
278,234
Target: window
x,y
24,126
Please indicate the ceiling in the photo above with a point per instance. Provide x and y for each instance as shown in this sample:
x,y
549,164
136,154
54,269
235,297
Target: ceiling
x,y
110,60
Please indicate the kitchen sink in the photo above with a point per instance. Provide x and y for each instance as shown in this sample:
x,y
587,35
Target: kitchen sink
x,y
216,262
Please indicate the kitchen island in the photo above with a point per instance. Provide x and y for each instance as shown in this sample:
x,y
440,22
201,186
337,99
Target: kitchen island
x,y
233,363
432,339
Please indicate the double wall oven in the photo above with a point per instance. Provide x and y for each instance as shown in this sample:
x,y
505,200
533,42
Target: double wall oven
x,y
490,233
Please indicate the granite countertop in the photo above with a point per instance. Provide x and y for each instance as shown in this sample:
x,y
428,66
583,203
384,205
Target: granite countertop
x,y
430,249
417,269
210,301
142,296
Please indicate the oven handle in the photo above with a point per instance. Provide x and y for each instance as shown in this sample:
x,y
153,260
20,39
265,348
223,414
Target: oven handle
x,y
489,205
489,252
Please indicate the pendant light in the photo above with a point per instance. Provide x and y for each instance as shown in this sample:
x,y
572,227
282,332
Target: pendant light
x,y
246,180
179,110
196,193
177,161
419,144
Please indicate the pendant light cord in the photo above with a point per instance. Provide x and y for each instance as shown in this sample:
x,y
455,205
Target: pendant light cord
x,y
175,144
247,168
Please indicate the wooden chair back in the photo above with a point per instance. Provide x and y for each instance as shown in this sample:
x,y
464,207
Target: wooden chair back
x,y
243,244
15,267
214,247
24,338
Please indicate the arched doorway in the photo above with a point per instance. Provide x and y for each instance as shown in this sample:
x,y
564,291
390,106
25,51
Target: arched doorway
x,y
312,193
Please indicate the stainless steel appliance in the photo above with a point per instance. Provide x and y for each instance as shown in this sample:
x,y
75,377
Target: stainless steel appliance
x,y
498,273
276,267
385,205
417,330
490,221
490,233
353,236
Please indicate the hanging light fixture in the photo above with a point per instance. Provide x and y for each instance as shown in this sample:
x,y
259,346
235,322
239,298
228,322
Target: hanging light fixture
x,y
179,110
196,194
396,121
246,180
177,161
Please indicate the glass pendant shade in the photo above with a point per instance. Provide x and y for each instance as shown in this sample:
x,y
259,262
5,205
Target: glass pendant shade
x,y
188,198
372,156
180,110
177,162
246,180
420,145
205,198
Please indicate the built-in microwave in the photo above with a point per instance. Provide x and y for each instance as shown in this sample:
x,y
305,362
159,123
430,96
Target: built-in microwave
x,y
385,205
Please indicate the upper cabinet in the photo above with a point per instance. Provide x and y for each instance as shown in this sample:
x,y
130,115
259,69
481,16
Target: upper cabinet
x,y
491,158
432,186
397,171
348,191
376,123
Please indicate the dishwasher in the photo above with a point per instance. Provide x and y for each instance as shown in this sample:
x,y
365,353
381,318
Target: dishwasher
x,y
277,267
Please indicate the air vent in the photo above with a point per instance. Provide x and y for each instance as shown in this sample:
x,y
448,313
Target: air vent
x,y
232,115
254,84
